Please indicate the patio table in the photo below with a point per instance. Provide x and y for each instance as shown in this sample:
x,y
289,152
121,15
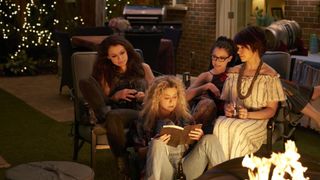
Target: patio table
x,y
306,72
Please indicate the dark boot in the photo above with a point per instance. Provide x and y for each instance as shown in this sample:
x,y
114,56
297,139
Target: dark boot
x,y
123,167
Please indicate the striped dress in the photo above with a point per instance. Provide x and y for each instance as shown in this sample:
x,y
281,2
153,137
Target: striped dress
x,y
239,137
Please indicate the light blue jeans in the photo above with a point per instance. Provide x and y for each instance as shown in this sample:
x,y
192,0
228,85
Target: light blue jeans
x,y
162,160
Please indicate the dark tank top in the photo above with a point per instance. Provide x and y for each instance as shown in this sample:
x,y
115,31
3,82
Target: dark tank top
x,y
122,82
218,80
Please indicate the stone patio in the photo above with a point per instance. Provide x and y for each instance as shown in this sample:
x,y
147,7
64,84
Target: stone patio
x,y
42,93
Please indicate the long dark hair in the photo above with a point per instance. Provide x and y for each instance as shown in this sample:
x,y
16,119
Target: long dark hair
x,y
253,37
229,46
105,69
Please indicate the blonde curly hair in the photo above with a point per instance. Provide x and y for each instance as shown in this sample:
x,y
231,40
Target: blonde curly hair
x,y
150,111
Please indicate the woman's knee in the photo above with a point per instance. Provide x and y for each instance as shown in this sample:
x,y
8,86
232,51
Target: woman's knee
x,y
111,119
209,139
156,149
221,124
205,111
157,144
121,117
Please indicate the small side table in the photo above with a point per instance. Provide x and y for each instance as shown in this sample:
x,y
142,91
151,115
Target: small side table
x,y
50,170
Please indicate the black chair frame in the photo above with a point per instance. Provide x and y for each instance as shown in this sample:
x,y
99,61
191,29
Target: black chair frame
x,y
281,126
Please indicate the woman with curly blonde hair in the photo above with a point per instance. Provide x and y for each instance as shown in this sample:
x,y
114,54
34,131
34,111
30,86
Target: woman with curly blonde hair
x,y
152,100
165,104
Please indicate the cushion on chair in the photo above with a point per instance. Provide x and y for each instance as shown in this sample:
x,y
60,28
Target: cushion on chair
x,y
279,61
53,170
85,132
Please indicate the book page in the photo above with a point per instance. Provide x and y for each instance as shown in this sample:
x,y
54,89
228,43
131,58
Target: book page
x,y
173,126
175,132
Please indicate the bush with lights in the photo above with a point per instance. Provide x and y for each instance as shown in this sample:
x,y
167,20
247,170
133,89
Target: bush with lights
x,y
27,42
9,34
114,8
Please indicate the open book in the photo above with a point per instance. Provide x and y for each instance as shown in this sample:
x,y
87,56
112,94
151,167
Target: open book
x,y
179,135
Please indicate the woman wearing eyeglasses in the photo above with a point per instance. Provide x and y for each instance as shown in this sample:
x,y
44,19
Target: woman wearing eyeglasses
x,y
203,94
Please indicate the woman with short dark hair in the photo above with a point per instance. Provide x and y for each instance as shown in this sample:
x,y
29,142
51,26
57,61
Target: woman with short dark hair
x,y
252,92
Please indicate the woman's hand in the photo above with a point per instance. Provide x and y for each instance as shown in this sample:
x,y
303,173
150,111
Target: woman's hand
x,y
164,138
238,111
213,88
196,134
229,109
139,96
125,94
242,112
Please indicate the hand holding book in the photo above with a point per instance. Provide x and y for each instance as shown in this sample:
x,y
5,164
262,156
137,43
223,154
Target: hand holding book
x,y
181,135
196,134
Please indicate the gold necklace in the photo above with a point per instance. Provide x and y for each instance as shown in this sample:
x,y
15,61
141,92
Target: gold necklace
x,y
239,80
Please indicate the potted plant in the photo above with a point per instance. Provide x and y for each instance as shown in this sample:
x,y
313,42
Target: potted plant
x,y
262,20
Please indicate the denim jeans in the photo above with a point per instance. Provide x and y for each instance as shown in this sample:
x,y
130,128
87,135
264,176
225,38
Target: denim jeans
x,y
207,150
162,160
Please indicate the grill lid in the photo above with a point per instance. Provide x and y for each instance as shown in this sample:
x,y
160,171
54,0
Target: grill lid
x,y
144,12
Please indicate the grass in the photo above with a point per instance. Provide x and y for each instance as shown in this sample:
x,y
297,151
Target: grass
x,y
308,143
27,135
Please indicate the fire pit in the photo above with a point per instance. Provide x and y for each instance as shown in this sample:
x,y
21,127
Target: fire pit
x,y
278,165
233,169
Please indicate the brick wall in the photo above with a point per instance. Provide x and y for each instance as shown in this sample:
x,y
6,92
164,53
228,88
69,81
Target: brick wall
x,y
199,29
307,14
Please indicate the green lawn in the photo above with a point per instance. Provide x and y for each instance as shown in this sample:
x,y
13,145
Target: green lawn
x,y
27,135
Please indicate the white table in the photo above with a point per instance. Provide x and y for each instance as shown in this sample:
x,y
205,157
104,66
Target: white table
x,y
303,72
310,58
308,75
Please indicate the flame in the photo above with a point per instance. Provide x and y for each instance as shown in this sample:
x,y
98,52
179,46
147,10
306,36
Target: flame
x,y
286,162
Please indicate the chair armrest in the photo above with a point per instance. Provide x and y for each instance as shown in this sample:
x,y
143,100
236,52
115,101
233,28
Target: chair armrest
x,y
275,125
270,128
98,129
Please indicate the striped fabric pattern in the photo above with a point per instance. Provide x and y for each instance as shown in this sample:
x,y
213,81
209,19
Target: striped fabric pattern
x,y
239,137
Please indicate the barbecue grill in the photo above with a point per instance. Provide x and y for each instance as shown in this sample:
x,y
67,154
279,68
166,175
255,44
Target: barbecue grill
x,y
144,13
148,27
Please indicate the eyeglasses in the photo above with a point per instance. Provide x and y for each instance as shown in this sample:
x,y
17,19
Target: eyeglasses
x,y
219,59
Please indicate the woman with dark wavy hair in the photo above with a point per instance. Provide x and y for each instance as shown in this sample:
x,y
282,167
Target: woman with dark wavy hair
x,y
204,93
119,81
118,60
